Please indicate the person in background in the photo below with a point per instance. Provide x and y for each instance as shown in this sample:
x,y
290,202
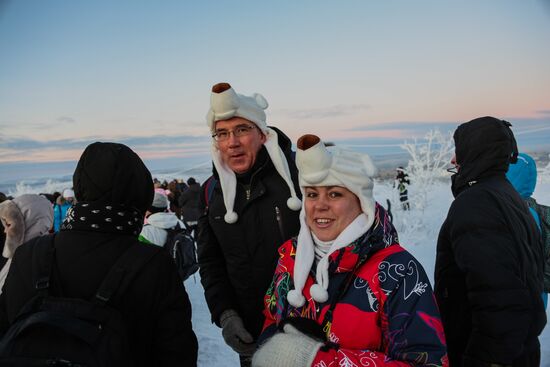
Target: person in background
x,y
252,208
158,186
344,291
401,182
63,203
114,189
489,263
3,260
189,203
182,186
173,194
523,176
158,221
24,218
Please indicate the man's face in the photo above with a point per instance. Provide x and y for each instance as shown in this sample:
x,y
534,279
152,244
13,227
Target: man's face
x,y
239,152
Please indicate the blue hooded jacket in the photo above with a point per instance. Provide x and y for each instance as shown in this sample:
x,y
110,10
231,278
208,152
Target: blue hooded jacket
x,y
523,176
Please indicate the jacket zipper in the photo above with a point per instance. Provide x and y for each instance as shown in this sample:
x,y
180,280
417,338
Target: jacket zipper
x,y
280,222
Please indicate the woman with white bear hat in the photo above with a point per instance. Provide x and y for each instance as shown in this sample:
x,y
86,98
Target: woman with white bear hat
x,y
344,291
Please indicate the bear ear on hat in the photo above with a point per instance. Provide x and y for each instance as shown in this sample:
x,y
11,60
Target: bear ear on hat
x,y
371,169
260,101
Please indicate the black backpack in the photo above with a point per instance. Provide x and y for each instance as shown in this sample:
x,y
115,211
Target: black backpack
x,y
61,331
181,246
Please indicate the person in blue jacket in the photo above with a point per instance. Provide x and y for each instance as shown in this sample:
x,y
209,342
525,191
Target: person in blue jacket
x,y
62,204
523,176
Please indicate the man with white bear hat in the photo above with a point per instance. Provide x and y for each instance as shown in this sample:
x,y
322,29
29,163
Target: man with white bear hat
x,y
251,206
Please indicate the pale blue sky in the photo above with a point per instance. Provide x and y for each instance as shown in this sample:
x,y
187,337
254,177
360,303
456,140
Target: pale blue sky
x,y
140,72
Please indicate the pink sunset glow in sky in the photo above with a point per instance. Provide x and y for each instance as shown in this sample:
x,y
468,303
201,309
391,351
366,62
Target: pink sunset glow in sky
x,y
140,72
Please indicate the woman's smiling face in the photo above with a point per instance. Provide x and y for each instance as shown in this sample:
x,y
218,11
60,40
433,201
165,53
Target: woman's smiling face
x,y
329,210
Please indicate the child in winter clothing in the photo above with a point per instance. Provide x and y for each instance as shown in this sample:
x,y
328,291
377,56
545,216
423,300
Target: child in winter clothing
x,y
344,291
158,221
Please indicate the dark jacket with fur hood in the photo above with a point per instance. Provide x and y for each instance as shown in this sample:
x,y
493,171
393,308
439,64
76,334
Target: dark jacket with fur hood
x,y
488,274
237,260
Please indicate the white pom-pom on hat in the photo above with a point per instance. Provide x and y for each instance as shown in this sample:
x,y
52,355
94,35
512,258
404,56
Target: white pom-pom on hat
x,y
295,298
318,293
231,217
294,203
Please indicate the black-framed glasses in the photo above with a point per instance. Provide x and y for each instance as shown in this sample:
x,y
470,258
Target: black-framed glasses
x,y
240,130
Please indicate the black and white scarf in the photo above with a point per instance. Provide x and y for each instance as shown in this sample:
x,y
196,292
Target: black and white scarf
x,y
103,218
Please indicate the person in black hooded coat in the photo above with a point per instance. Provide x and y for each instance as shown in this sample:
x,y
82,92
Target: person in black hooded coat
x,y
111,178
489,269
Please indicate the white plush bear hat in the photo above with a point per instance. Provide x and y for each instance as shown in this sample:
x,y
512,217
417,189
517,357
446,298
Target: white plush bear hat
x,y
225,103
333,166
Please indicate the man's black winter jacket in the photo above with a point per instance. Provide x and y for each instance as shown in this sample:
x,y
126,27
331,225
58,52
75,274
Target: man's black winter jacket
x,y
237,261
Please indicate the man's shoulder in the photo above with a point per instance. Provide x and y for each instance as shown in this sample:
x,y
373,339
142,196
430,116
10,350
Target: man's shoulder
x,y
478,195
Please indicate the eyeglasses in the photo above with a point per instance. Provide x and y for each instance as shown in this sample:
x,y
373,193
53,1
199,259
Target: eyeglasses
x,y
239,131
453,170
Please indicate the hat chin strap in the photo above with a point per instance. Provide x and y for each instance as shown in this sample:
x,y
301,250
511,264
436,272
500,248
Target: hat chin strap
x,y
281,165
228,182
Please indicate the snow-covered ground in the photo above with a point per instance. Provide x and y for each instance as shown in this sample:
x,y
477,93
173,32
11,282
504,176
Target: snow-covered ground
x,y
418,232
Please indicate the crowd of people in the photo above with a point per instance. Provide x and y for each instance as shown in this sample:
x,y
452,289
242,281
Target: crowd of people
x,y
300,265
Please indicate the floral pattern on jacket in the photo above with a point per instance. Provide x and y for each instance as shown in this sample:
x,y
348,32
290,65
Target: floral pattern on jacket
x,y
386,317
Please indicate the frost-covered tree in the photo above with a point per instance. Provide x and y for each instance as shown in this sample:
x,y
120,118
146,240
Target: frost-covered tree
x,y
429,158
544,173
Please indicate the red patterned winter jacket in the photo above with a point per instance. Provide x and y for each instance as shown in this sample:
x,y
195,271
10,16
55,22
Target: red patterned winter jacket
x,y
387,315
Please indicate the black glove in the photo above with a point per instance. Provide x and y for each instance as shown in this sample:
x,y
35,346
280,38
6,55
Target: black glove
x,y
235,335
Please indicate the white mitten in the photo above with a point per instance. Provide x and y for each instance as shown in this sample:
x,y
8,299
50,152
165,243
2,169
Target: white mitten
x,y
288,349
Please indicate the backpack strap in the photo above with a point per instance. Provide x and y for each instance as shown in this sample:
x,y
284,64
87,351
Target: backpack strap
x,y
43,256
122,273
209,189
170,234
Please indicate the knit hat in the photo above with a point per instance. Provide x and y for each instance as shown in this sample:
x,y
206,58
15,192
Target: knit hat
x,y
68,193
333,166
160,201
225,103
25,217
